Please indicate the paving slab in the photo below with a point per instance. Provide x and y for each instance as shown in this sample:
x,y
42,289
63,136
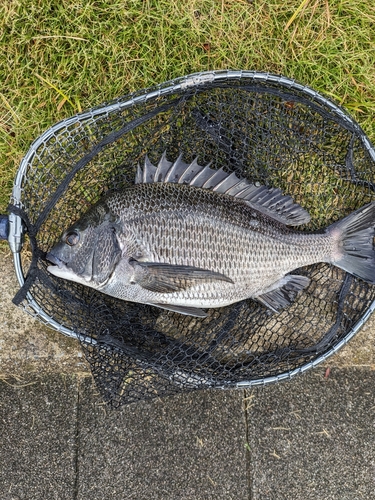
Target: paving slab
x,y
190,446
38,438
313,438
26,345
310,438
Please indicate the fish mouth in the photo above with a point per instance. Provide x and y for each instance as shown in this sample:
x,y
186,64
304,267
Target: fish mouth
x,y
60,269
55,260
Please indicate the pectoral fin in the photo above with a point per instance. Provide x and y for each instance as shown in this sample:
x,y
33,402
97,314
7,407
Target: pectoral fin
x,y
168,278
283,292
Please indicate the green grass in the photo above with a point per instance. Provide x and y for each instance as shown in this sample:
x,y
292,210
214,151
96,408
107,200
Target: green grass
x,y
58,57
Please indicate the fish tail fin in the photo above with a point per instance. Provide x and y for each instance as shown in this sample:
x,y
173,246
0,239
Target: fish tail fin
x,y
355,237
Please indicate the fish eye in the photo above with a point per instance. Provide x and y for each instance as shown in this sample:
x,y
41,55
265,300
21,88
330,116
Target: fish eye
x,y
72,238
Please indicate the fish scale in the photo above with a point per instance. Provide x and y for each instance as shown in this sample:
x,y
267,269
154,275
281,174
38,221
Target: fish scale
x,y
235,247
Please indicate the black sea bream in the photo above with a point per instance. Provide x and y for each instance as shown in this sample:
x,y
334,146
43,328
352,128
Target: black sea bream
x,y
187,237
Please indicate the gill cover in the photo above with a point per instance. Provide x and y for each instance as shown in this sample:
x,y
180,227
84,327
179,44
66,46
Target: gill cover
x,y
89,250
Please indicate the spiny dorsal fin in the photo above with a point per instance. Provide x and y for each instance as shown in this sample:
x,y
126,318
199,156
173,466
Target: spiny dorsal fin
x,y
270,201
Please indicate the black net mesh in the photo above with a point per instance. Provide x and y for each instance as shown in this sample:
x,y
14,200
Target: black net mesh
x,y
267,130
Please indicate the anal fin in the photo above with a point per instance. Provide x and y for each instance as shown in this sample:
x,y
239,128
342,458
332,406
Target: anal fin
x,y
283,292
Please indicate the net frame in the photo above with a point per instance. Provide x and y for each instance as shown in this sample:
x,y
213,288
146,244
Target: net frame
x,y
179,85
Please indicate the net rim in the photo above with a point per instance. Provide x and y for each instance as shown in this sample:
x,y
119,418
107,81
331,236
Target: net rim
x,y
180,84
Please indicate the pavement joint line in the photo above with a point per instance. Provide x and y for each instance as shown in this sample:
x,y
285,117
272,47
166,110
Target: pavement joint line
x,y
76,442
247,444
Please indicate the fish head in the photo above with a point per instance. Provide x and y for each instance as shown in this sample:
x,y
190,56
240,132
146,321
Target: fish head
x,y
89,250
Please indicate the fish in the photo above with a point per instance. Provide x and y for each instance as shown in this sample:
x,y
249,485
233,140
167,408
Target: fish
x,y
188,238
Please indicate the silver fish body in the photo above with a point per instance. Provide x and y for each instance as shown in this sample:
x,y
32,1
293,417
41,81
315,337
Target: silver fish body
x,y
179,243
209,231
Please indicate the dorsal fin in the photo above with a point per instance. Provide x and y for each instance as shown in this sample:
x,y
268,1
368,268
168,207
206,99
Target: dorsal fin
x,y
270,201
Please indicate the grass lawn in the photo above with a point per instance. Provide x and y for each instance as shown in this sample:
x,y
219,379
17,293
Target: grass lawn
x,y
58,57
